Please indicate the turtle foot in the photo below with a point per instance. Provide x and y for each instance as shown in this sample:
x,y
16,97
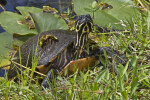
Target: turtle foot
x,y
49,79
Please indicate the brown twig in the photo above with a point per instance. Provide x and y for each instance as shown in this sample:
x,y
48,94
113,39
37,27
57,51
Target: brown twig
x,y
99,91
28,75
143,61
28,68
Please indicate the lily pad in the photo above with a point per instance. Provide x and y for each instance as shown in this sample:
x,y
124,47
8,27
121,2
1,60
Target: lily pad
x,y
25,10
81,6
11,23
46,21
121,10
5,48
105,19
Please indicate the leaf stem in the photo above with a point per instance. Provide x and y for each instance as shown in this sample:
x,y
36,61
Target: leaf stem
x,y
2,7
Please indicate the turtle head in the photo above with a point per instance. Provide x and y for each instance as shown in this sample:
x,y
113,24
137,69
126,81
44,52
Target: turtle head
x,y
83,26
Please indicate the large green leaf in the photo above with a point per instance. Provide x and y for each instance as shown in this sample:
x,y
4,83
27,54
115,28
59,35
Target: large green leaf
x,y
18,40
25,10
105,19
5,48
80,6
11,23
122,10
46,21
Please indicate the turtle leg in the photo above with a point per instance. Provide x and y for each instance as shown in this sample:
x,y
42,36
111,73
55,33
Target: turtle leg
x,y
79,65
49,78
111,54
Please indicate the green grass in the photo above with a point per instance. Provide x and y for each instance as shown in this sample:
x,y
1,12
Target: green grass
x,y
131,81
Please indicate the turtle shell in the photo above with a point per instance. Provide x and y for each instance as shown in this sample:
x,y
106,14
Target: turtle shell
x,y
46,53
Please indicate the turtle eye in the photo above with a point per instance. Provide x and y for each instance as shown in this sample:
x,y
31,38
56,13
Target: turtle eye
x,y
80,17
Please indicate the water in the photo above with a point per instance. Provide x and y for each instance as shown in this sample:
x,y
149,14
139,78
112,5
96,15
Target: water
x,y
2,72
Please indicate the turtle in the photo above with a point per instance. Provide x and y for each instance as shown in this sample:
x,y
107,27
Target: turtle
x,y
59,50
56,49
